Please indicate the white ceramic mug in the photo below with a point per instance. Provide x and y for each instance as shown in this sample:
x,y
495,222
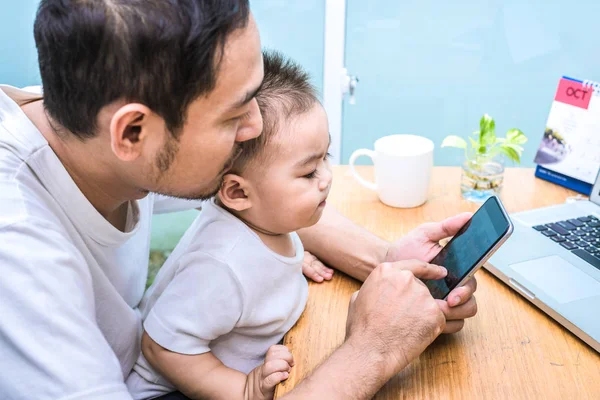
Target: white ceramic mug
x,y
403,166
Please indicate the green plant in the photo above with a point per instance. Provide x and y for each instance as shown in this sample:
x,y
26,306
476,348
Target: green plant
x,y
485,145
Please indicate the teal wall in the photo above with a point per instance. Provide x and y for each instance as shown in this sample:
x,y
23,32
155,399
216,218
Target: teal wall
x,y
18,57
296,28
434,67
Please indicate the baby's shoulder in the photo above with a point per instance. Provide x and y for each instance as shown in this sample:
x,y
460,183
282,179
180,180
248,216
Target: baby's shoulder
x,y
216,238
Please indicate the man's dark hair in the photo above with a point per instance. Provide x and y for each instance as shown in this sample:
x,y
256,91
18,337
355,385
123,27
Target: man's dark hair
x,y
161,53
286,92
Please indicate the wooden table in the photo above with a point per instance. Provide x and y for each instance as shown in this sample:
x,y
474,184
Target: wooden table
x,y
510,350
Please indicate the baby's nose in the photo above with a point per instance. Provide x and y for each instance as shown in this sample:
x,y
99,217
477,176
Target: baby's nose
x,y
326,181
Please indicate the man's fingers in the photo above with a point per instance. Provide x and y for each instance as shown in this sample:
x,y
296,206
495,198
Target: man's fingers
x,y
454,326
455,316
448,227
462,294
420,269
466,310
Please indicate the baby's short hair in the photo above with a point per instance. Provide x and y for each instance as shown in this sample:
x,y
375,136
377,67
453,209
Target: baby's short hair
x,y
286,92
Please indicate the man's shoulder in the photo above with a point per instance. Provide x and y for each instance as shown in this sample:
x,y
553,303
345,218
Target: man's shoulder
x,y
22,194
23,198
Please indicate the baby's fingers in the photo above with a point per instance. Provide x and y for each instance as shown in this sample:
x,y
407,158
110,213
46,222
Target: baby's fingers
x,y
279,352
275,378
313,268
322,270
275,366
311,273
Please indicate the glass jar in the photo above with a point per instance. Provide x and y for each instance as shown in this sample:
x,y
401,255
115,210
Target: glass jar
x,y
481,178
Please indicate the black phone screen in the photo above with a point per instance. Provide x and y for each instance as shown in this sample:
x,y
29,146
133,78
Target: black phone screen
x,y
469,246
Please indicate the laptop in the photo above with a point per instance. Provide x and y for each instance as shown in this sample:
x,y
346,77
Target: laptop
x,y
553,260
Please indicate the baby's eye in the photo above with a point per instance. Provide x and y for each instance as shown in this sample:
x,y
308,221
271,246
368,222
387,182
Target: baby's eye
x,y
311,175
327,156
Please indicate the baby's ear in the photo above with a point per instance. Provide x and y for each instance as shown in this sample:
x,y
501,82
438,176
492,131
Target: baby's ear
x,y
234,192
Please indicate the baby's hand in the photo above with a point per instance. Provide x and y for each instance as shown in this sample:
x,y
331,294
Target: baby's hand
x,y
314,269
261,381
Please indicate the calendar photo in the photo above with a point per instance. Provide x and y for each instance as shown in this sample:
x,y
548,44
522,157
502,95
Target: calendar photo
x,y
570,145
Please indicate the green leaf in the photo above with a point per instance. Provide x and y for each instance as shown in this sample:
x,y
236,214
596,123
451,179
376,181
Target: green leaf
x,y
474,143
516,136
486,123
510,153
515,147
454,141
487,137
487,127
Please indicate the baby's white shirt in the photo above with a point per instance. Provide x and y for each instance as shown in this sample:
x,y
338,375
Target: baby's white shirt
x,y
222,290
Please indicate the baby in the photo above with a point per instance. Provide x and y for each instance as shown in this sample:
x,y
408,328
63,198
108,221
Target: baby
x,y
234,285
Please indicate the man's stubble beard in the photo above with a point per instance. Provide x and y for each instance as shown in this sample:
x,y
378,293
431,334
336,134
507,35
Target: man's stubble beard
x,y
164,161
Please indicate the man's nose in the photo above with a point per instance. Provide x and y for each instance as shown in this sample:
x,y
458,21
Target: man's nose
x,y
252,126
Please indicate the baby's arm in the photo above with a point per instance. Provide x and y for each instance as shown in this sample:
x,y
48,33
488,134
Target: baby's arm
x,y
204,376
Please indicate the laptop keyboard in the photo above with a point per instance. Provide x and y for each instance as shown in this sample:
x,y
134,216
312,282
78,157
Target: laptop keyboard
x,y
579,235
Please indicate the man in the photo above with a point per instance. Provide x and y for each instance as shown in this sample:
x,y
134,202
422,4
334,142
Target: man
x,y
144,97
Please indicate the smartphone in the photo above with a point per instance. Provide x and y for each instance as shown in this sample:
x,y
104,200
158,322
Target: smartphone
x,y
471,247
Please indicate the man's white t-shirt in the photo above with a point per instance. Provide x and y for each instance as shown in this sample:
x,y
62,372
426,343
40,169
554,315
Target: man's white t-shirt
x,y
70,282
222,290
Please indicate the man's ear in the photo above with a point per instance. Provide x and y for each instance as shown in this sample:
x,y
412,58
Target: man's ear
x,y
129,128
235,193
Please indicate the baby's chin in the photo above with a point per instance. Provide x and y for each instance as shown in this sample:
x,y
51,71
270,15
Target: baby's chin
x,y
315,218
305,224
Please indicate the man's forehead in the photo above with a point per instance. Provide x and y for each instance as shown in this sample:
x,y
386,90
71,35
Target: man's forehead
x,y
240,69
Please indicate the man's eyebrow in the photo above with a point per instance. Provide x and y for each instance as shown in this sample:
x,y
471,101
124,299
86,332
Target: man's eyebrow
x,y
246,99
313,157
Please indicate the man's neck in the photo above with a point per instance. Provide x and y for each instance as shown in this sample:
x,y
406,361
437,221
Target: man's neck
x,y
84,163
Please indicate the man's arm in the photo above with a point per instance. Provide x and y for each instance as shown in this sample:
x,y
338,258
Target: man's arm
x,y
391,322
50,342
341,243
344,245
351,372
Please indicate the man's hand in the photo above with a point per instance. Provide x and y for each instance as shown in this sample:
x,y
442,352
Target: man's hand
x,y
394,316
314,269
422,243
261,381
